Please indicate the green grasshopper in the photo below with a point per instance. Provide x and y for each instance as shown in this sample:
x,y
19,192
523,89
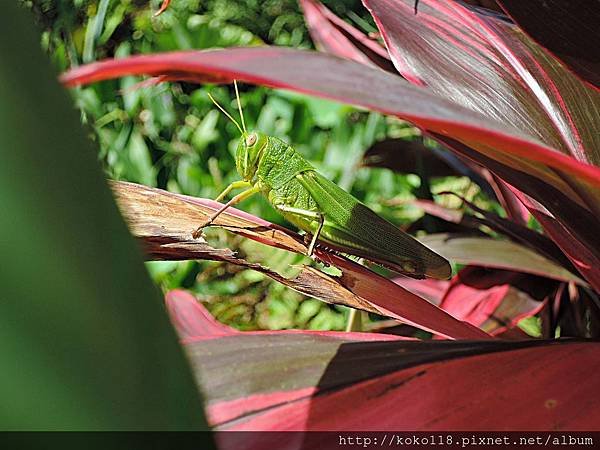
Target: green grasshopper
x,y
334,218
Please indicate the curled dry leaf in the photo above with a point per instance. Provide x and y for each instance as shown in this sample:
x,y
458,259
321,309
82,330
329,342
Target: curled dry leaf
x,y
164,222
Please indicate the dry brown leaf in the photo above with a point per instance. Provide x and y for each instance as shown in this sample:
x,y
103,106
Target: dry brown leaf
x,y
164,222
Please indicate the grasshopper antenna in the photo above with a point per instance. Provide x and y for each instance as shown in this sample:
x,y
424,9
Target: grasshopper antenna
x,y
226,113
237,96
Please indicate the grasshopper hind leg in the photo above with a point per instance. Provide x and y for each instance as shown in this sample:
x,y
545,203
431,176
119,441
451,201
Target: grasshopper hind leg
x,y
307,214
313,242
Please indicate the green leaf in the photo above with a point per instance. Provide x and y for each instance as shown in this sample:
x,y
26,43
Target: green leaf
x,y
84,337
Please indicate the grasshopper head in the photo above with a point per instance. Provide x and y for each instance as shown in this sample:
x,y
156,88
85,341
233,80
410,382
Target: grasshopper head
x,y
248,154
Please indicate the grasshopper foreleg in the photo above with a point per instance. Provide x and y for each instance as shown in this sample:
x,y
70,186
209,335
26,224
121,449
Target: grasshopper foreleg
x,y
238,198
314,215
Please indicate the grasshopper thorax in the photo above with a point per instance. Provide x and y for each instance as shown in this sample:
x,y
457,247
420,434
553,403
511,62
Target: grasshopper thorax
x,y
249,151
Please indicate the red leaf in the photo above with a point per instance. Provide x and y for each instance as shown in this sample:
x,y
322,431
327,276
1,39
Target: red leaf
x,y
567,29
333,35
515,210
517,232
194,322
301,382
573,227
350,82
490,66
474,305
430,289
191,320
495,307
582,257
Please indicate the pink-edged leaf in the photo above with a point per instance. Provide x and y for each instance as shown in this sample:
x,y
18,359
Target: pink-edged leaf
x,y
492,67
304,382
164,222
339,79
191,320
517,232
571,226
583,257
194,322
568,29
333,35
515,210
501,254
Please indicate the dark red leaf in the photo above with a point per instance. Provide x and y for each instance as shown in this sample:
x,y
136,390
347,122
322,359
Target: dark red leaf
x,y
538,288
568,29
573,228
490,66
518,233
401,155
582,256
303,382
515,210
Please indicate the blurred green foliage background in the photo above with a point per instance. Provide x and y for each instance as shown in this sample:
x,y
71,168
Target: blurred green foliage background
x,y
172,137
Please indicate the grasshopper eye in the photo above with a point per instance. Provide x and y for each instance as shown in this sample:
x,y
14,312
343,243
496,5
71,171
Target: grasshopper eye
x,y
250,140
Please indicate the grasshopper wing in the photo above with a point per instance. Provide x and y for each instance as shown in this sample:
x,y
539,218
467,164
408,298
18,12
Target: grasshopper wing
x,y
355,229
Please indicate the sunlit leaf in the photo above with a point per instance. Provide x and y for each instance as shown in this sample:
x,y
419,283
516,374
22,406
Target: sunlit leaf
x,y
567,29
165,222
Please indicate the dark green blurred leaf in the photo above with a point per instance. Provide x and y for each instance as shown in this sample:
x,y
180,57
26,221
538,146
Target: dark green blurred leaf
x,y
84,338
